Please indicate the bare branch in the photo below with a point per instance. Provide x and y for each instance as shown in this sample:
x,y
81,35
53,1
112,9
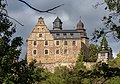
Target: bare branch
x,y
6,14
15,20
96,5
46,11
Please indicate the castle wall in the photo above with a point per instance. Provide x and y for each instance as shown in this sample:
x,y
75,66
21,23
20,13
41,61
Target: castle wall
x,y
42,47
52,57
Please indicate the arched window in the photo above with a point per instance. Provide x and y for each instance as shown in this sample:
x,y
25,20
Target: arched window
x,y
65,43
46,43
74,43
46,52
40,35
35,43
65,51
57,43
57,51
34,52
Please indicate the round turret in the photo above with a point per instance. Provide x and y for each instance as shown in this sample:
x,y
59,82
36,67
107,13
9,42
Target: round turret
x,y
57,24
80,25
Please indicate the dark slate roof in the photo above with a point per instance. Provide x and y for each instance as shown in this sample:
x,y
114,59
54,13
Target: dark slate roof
x,y
58,20
65,34
64,31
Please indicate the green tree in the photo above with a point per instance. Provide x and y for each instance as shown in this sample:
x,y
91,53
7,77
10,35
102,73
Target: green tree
x,y
11,70
104,42
102,74
79,63
93,52
115,62
111,21
9,48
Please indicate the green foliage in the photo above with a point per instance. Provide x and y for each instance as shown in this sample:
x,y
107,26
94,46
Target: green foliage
x,y
79,63
104,42
62,75
115,80
113,5
115,62
111,21
93,51
11,70
102,73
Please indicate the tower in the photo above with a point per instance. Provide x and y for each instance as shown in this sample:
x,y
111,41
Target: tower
x,y
84,39
57,24
106,52
80,28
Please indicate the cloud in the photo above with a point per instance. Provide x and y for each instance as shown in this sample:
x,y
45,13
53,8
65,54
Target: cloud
x,y
69,13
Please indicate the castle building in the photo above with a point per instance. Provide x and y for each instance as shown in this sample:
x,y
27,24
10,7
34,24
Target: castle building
x,y
106,52
57,46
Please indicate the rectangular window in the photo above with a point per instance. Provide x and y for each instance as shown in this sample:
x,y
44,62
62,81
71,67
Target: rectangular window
x,y
57,51
46,52
74,43
34,52
102,54
71,34
65,43
58,34
57,43
65,51
46,43
64,34
40,35
35,43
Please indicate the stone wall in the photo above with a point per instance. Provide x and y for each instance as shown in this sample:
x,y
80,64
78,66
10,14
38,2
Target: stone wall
x,y
39,35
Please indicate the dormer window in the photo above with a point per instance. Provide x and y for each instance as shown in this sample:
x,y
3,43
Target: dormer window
x,y
58,34
64,34
71,34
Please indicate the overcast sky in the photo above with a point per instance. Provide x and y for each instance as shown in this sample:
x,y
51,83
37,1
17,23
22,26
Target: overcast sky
x,y
69,14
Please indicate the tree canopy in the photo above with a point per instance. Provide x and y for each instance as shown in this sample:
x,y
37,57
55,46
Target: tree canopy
x,y
111,21
104,42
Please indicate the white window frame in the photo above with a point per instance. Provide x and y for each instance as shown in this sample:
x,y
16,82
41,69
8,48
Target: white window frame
x,y
56,43
75,43
56,50
40,35
64,43
44,51
33,43
45,42
33,52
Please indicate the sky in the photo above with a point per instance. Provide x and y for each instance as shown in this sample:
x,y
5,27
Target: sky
x,y
70,14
